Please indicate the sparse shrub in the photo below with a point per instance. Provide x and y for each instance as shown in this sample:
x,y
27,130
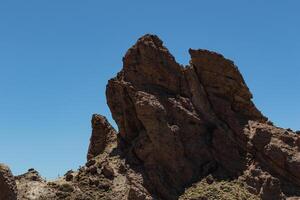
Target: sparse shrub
x,y
218,190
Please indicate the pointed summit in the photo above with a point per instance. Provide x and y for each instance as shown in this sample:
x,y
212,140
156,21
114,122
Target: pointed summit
x,y
148,62
182,124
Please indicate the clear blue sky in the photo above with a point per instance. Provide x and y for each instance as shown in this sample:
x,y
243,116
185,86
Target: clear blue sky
x,y
56,57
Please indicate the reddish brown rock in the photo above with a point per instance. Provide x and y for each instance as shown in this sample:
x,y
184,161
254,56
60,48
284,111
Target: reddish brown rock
x,y
108,171
278,152
179,127
8,188
153,114
261,183
103,135
180,124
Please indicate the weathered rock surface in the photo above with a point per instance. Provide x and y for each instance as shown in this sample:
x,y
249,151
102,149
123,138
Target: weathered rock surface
x,y
103,134
32,186
183,123
8,188
104,176
184,132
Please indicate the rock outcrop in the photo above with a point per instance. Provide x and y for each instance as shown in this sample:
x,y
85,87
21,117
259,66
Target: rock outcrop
x,y
8,188
183,123
103,135
188,132
32,186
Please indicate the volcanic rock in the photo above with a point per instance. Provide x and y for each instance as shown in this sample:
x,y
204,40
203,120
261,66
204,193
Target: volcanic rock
x,y
183,123
8,188
108,171
188,132
102,135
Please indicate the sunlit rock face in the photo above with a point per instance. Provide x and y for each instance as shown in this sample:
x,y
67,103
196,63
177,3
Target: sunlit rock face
x,y
183,123
103,134
184,133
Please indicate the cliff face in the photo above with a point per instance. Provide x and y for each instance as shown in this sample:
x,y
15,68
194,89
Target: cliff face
x,y
183,132
183,123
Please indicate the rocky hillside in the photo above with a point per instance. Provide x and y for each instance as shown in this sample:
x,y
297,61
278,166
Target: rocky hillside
x,y
184,133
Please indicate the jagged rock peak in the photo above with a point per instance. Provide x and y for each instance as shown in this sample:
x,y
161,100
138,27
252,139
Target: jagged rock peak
x,y
222,80
149,62
150,66
184,133
181,124
103,135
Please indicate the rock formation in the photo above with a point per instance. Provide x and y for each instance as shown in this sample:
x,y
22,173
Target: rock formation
x,y
184,133
103,135
8,188
183,123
